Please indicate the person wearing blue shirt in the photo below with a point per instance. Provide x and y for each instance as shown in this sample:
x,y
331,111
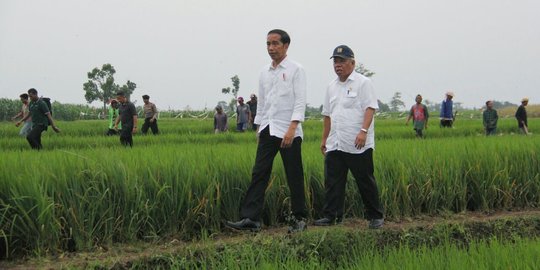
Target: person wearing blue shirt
x,y
447,116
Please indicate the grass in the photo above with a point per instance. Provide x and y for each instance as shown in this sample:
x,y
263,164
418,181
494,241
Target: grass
x,y
84,190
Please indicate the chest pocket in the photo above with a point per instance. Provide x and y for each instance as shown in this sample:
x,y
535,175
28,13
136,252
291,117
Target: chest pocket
x,y
285,88
349,100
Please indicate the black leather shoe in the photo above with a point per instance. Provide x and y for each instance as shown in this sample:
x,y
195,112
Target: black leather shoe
x,y
327,221
245,224
297,225
376,223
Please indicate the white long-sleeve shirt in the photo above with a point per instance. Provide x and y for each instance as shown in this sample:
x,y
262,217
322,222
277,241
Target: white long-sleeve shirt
x,y
346,103
282,98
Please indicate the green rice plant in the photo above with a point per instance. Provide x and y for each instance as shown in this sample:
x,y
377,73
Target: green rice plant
x,y
85,190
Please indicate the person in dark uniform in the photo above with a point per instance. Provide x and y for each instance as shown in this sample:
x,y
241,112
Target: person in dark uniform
x,y
128,117
150,116
41,119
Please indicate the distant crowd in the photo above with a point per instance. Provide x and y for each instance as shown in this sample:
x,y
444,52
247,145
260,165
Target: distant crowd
x,y
419,114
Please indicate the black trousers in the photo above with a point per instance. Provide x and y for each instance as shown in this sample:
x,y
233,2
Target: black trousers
x,y
126,136
446,123
336,166
34,137
152,126
267,149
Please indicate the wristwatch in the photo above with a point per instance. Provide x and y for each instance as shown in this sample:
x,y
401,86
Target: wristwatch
x,y
363,130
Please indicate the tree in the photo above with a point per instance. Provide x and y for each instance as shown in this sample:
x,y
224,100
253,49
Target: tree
x,y
396,103
101,86
382,106
128,88
360,68
234,91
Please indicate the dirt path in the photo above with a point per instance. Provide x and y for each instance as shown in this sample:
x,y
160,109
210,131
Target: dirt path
x,y
125,253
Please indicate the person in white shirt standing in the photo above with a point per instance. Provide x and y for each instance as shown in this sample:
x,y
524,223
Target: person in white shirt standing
x,y
280,111
348,140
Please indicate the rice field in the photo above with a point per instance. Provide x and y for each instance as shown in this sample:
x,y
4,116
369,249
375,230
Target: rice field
x,y
488,255
85,190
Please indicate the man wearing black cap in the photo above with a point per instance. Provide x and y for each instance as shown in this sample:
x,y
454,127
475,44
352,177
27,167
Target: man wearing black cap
x,y
280,111
348,140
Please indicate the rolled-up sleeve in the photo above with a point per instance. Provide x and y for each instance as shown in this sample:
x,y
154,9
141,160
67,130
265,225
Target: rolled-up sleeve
x,y
300,90
261,101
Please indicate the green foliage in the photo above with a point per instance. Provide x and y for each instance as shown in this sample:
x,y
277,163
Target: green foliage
x,y
101,85
65,112
234,91
9,108
85,190
396,104
480,245
360,68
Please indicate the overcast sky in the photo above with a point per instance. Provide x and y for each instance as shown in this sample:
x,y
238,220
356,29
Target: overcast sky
x,y
182,53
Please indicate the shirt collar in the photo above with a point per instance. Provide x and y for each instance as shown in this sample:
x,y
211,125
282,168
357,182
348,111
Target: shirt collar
x,y
283,64
352,77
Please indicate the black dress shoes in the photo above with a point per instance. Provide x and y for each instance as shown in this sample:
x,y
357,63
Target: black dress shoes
x,y
327,221
245,224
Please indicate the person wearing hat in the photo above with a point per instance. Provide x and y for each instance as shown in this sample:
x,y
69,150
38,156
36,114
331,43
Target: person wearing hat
x,y
447,116
150,116
243,114
253,108
220,120
113,114
280,113
348,140
521,116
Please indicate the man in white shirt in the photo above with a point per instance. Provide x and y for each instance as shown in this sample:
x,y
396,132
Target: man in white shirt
x,y
348,140
280,111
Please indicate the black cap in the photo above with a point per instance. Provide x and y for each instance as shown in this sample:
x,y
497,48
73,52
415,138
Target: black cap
x,y
343,51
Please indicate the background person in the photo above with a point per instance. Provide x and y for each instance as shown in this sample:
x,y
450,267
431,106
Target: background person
x,y
220,120
41,119
150,116
253,108
279,117
27,126
243,114
128,118
419,114
521,116
490,119
447,116
113,114
348,140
